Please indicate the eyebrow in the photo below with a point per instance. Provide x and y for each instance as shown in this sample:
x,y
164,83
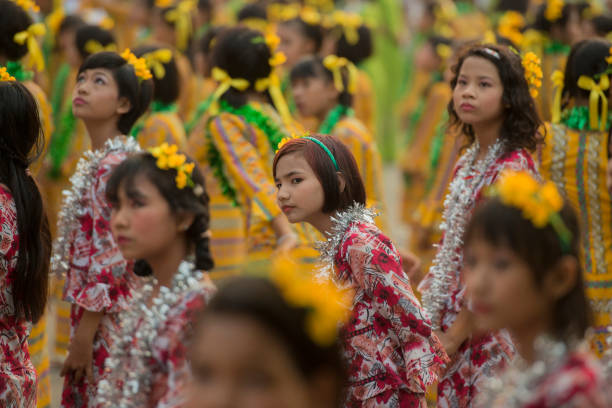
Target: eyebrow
x,y
479,77
291,173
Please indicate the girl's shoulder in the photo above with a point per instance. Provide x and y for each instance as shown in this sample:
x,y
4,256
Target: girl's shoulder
x,y
517,160
7,205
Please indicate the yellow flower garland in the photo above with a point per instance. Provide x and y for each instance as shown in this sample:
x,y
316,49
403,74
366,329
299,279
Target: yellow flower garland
x,y
168,158
5,76
533,72
139,64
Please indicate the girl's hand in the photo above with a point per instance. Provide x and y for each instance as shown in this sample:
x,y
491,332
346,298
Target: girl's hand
x,y
411,264
79,362
286,243
460,331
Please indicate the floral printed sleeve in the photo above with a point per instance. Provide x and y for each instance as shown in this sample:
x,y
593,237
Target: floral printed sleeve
x,y
103,285
397,314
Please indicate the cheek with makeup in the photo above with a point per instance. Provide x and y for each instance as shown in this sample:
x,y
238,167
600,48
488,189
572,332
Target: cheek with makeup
x,y
299,194
502,289
142,223
236,363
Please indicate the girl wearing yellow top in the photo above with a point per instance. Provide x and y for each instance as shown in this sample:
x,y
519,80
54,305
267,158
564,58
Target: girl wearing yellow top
x,y
162,123
237,144
575,158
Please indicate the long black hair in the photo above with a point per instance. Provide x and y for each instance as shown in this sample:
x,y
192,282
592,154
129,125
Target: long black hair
x,y
521,124
138,92
21,141
183,200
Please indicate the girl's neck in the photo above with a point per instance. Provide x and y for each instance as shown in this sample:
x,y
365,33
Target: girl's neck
x,y
101,131
525,337
486,136
322,222
166,264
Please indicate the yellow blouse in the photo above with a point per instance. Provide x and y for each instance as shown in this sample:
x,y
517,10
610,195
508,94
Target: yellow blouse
x,y
160,127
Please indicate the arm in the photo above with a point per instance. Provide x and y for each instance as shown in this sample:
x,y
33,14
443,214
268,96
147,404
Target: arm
x,y
80,351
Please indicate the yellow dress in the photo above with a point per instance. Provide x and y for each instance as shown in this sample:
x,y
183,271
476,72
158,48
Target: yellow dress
x,y
550,63
364,101
160,127
576,162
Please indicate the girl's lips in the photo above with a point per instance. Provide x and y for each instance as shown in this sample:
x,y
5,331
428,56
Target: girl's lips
x,y
78,101
467,107
122,240
481,308
287,208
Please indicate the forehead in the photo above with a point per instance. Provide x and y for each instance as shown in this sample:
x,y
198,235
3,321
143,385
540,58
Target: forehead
x,y
292,162
479,66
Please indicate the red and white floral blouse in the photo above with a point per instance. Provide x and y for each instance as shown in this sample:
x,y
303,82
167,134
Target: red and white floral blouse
x,y
17,374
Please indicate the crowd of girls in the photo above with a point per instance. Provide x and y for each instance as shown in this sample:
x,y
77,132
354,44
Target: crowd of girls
x,y
203,210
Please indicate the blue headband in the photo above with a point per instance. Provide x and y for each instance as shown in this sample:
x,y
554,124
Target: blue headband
x,y
329,153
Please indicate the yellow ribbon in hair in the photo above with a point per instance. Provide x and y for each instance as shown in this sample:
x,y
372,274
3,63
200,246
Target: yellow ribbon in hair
x,y
181,17
225,83
350,23
273,85
597,93
93,46
28,37
156,59
54,20
335,64
558,79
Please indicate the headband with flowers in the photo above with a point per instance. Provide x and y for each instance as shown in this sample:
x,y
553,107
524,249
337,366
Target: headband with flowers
x,y
539,203
328,306
29,37
5,76
168,158
335,65
139,64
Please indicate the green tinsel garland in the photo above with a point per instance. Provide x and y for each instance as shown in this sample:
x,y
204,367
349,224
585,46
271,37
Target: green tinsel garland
x,y
436,150
577,118
61,140
58,92
333,117
156,107
16,69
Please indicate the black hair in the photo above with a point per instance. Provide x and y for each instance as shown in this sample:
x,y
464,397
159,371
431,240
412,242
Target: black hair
x,y
512,5
205,6
521,124
166,89
242,53
542,24
89,32
358,52
602,24
21,142
312,32
138,92
208,39
312,67
261,301
179,200
324,169
253,10
541,249
70,22
13,19
587,57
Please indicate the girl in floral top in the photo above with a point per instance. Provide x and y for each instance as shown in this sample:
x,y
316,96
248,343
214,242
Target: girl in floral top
x,y
25,243
111,92
392,353
492,107
524,244
160,220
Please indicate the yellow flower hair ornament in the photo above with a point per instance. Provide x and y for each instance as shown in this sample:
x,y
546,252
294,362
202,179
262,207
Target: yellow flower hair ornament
x,y
286,140
558,80
139,64
596,94
181,18
27,5
93,47
335,65
554,10
510,25
5,76
328,307
156,59
29,37
350,23
539,203
533,72
163,3
168,158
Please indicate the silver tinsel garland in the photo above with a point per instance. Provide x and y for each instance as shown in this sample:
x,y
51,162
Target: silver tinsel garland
x,y
73,205
341,222
127,368
457,209
518,384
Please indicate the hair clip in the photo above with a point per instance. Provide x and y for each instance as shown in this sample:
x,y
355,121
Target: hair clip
x,y
5,76
169,158
139,65
492,53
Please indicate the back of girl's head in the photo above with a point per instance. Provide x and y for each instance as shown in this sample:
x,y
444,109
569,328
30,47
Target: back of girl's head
x,y
13,19
252,11
166,88
541,249
261,301
70,22
312,32
209,39
359,51
138,92
323,167
543,24
242,53
602,24
521,122
90,32
21,141
312,67
180,200
586,58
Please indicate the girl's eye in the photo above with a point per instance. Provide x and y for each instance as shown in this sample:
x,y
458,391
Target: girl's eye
x,y
136,203
80,78
462,82
278,186
100,81
485,84
501,264
296,180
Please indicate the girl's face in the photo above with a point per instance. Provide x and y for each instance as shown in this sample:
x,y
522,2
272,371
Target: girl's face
x,y
236,363
299,194
294,44
142,223
314,96
96,96
502,288
67,45
477,97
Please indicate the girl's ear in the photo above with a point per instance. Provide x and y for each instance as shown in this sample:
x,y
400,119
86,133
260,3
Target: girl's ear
x,y
341,182
184,221
562,278
124,105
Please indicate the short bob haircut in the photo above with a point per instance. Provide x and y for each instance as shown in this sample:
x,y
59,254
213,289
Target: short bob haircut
x,y
92,32
521,125
312,67
541,250
138,92
323,167
166,89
